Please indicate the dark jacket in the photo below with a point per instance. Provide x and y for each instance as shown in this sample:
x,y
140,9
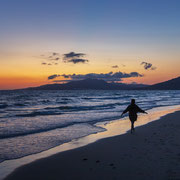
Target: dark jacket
x,y
133,109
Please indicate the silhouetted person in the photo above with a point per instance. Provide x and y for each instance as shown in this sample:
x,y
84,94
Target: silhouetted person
x,y
133,109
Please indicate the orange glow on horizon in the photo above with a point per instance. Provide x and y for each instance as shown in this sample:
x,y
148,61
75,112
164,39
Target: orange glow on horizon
x,y
23,72
8,83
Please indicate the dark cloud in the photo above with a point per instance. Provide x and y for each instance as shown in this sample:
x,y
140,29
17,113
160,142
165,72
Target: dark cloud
x,y
53,76
70,57
148,66
75,58
75,61
49,64
117,76
115,66
43,63
73,55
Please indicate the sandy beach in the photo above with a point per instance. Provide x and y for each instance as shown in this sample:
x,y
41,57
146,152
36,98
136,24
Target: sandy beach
x,y
152,152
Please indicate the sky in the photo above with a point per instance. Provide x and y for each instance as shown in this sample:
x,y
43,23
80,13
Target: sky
x,y
48,41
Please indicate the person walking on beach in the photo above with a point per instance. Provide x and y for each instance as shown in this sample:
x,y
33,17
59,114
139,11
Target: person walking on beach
x,y
133,109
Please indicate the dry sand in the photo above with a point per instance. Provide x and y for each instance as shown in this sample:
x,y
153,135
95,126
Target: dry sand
x,y
152,152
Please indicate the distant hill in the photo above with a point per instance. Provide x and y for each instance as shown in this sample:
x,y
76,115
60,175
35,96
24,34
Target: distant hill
x,y
88,84
96,84
173,84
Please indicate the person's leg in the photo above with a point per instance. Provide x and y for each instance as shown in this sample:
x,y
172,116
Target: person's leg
x,y
134,119
132,126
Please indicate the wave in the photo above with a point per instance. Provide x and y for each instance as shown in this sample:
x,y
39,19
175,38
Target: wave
x,y
106,98
19,104
40,113
58,110
46,129
3,106
62,102
84,108
63,109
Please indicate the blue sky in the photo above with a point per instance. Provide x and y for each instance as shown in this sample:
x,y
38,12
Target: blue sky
x,y
90,18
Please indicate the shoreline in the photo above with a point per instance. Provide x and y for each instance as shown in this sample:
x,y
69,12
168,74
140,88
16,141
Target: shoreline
x,y
112,130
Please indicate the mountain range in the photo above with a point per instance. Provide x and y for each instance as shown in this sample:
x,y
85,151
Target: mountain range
x,y
96,84
173,84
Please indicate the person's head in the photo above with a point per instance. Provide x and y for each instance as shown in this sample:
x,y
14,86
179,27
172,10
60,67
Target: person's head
x,y
132,101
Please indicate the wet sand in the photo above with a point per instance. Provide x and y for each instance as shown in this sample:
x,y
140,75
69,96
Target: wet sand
x,y
152,152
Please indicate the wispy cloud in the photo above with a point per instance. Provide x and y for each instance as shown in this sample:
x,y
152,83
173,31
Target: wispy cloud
x,y
148,66
49,58
115,66
55,54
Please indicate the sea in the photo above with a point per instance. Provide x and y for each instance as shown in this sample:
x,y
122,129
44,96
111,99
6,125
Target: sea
x,y
35,121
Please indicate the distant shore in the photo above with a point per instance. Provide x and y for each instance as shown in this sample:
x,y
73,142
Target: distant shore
x,y
152,152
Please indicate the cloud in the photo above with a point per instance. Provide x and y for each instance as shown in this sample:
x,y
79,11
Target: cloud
x,y
75,61
43,63
148,66
74,58
115,66
55,54
153,68
53,76
54,57
70,57
117,76
49,64
73,55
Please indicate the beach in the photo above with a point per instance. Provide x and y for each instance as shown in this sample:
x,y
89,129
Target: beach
x,y
152,152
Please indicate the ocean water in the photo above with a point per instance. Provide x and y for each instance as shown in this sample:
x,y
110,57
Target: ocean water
x,y
34,121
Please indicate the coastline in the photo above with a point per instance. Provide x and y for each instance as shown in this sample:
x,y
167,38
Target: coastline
x,y
112,130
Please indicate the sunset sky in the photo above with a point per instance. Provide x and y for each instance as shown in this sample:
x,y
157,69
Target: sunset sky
x,y
109,38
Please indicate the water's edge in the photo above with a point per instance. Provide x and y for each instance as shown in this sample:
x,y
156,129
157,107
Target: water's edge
x,y
113,128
